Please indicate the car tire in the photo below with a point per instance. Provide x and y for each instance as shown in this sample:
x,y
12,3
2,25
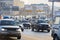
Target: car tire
x,y
19,37
48,30
55,38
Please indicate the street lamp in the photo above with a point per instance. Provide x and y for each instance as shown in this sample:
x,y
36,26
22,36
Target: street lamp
x,y
52,10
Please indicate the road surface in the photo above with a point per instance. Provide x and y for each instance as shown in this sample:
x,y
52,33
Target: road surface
x,y
29,35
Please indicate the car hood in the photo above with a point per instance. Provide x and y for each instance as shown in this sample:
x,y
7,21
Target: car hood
x,y
9,26
44,23
27,23
54,26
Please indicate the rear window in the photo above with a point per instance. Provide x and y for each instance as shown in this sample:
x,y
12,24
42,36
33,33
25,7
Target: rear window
x,y
41,21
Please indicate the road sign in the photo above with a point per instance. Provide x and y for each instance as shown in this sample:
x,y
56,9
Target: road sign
x,y
54,0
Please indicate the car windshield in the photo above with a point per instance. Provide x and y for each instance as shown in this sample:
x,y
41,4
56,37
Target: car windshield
x,y
7,22
24,21
41,21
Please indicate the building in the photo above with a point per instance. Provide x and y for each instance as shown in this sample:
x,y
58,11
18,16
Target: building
x,y
41,9
6,2
10,7
36,10
28,9
5,6
19,3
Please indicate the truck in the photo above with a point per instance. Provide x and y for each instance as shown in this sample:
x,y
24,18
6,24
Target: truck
x,y
40,25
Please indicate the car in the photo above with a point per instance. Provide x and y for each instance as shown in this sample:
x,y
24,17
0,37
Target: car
x,y
9,28
26,24
56,32
56,29
6,17
40,25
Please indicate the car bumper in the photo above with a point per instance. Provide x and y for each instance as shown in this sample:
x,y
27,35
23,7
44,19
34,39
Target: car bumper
x,y
42,28
12,34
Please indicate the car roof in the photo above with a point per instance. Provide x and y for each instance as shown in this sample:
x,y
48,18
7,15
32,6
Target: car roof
x,y
7,19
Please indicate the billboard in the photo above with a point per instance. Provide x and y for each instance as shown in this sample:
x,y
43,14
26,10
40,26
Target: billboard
x,y
54,0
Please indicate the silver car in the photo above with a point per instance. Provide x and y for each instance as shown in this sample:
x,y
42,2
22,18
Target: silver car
x,y
56,29
9,28
56,32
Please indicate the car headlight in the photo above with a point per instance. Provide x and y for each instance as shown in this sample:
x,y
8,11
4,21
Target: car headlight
x,y
3,29
19,30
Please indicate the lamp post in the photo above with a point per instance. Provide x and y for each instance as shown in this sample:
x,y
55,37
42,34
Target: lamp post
x,y
52,10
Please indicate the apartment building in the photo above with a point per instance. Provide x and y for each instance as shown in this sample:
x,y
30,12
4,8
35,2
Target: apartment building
x,y
10,7
36,10
19,3
5,6
41,9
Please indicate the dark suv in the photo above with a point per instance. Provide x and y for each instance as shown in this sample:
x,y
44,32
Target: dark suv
x,y
9,28
40,25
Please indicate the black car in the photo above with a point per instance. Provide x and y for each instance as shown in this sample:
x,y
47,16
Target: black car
x,y
40,25
9,28
26,24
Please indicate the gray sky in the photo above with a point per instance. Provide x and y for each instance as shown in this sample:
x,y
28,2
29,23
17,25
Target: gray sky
x,y
39,1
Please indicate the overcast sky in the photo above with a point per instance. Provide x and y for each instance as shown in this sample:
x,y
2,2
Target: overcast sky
x,y
39,1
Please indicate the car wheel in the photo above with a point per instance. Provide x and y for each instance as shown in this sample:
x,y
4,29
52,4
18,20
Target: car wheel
x,y
48,30
19,37
56,38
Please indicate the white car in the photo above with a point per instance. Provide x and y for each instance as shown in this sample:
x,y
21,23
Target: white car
x,y
9,28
